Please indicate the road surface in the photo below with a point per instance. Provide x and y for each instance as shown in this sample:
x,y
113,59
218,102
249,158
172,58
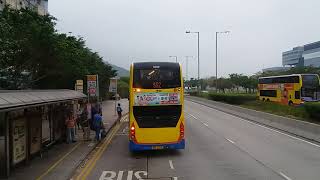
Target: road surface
x,y
219,146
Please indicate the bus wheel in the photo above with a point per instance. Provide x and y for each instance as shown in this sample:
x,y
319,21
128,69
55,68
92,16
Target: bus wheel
x,y
290,103
263,99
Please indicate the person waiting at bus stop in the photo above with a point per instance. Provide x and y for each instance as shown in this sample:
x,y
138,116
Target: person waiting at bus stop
x,y
98,125
70,123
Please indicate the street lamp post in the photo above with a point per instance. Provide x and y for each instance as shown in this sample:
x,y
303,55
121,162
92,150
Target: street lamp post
x,y
221,32
187,61
174,57
198,33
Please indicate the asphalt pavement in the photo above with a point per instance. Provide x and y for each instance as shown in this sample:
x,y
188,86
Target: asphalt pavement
x,y
219,146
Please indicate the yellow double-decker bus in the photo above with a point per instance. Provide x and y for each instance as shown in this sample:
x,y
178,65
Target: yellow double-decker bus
x,y
156,118
292,89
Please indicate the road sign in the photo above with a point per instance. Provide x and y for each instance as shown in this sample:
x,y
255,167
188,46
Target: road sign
x,y
92,85
113,85
79,85
79,82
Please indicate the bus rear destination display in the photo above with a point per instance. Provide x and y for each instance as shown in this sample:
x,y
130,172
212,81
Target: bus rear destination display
x,y
153,99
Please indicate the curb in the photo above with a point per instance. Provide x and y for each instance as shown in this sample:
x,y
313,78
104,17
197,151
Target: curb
x,y
94,147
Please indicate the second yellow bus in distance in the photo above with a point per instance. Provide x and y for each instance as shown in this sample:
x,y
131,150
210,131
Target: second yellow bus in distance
x,y
156,119
292,89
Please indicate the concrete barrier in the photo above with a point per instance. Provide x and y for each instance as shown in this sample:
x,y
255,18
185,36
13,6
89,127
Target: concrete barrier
x,y
296,127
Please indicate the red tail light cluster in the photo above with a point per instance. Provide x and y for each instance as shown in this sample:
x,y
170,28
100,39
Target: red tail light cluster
x,y
133,132
181,131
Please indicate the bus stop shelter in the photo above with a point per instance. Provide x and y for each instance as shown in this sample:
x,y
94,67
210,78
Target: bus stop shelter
x,y
30,121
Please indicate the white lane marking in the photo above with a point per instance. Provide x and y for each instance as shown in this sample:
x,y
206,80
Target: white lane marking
x,y
91,144
285,176
175,178
171,164
283,133
193,116
206,124
230,140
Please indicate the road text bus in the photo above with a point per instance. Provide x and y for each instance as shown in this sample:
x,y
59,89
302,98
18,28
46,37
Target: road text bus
x,y
156,118
289,89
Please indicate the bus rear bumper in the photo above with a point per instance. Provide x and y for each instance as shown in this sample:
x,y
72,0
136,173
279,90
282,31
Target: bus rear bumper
x,y
142,147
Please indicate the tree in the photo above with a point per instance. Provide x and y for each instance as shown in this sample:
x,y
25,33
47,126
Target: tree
x,y
235,79
34,55
123,87
224,83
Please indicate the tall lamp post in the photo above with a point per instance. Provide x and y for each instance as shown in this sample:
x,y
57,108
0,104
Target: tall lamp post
x,y
188,32
187,61
220,32
174,57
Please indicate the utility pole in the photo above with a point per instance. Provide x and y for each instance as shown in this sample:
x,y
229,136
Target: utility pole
x,y
216,61
198,33
176,57
187,67
187,62
221,32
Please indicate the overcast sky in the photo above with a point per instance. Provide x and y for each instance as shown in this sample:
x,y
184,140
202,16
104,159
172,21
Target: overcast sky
x,y
123,31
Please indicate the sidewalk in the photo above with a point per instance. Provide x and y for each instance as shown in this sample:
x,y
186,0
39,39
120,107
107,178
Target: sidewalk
x,y
62,159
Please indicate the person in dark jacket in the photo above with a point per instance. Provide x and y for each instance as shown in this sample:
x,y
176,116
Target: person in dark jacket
x,y
98,126
119,110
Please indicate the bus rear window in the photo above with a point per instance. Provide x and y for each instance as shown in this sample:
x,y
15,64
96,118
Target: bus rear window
x,y
156,78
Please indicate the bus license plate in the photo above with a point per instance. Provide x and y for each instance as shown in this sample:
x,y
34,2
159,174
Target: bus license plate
x,y
157,147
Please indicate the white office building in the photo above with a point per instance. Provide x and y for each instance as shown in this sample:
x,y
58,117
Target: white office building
x,y
311,54
306,55
40,6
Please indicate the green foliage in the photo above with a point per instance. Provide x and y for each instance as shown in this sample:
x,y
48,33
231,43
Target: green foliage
x,y
34,55
224,83
123,87
279,109
194,93
125,79
191,83
248,82
232,98
313,108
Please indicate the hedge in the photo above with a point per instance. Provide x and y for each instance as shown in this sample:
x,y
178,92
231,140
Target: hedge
x,y
313,109
232,98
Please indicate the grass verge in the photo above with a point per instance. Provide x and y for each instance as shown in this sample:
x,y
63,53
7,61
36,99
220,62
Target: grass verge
x,y
308,112
279,109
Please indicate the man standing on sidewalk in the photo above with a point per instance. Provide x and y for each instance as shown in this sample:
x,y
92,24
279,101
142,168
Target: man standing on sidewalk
x,y
119,111
70,123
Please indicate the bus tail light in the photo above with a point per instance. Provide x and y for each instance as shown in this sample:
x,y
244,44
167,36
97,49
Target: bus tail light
x,y
181,131
133,132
